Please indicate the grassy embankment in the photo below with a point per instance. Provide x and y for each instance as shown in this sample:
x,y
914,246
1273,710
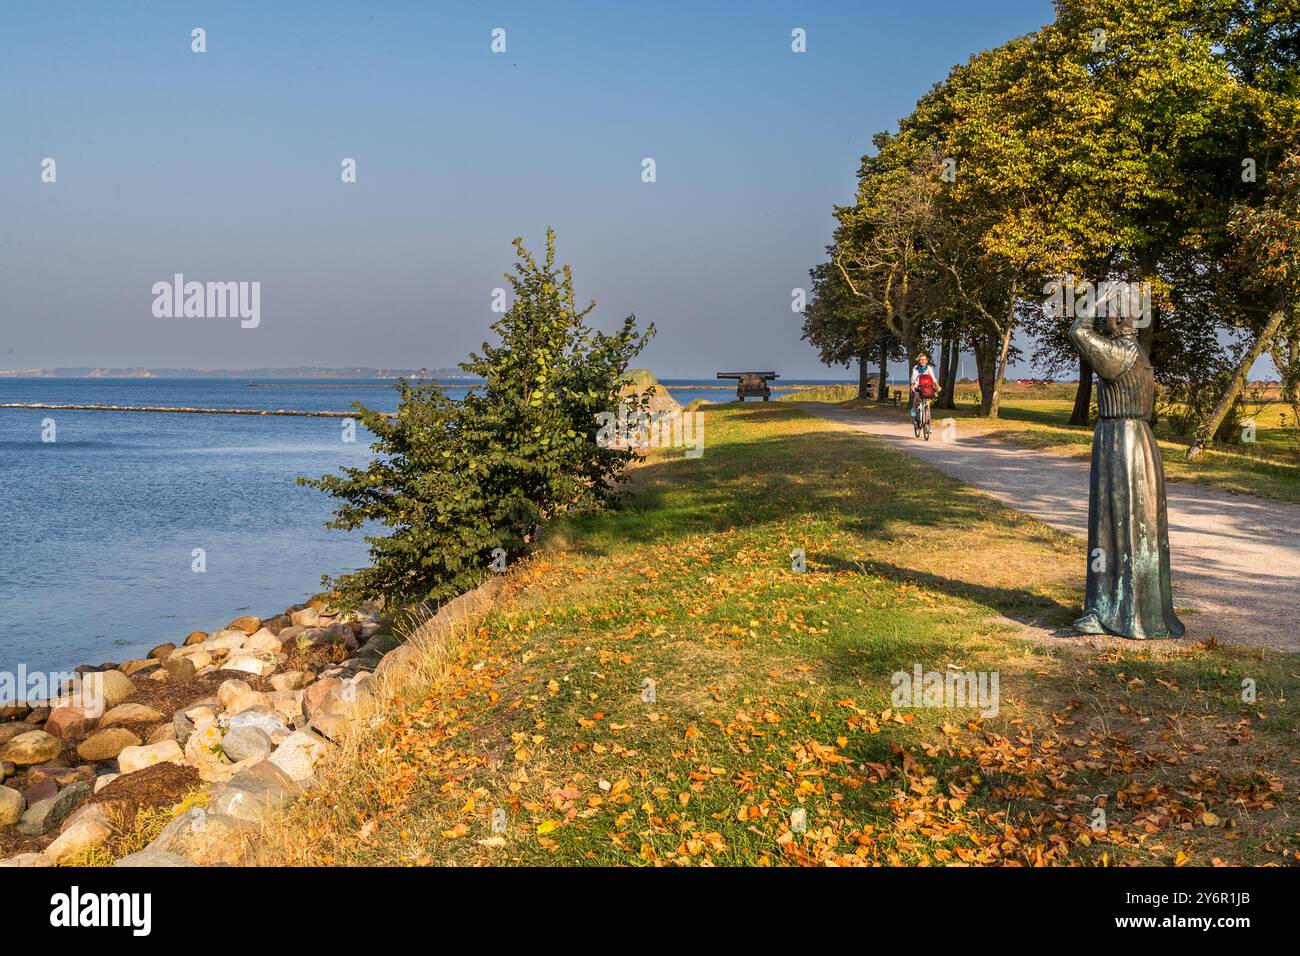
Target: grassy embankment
x,y
1036,417
772,692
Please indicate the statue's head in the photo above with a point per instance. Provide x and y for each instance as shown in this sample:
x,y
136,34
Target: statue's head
x,y
1119,326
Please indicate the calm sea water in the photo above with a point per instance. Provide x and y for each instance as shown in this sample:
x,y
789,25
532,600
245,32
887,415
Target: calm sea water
x,y
98,528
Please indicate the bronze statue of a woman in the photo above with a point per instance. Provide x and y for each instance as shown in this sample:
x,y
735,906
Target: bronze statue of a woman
x,y
1128,591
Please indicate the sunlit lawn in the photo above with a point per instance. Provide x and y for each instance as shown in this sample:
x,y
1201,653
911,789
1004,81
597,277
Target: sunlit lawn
x,y
772,691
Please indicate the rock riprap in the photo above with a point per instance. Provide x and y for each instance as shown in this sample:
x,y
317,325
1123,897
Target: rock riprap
x,y
46,815
246,743
255,743
12,806
107,744
31,748
130,714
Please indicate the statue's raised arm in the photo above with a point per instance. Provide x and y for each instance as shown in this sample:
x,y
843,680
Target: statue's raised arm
x,y
1109,357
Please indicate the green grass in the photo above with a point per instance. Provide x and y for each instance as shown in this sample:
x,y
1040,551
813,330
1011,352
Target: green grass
x,y
822,393
773,691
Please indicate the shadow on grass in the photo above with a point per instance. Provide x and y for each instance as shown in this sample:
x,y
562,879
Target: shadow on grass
x,y
854,483
745,482
1016,604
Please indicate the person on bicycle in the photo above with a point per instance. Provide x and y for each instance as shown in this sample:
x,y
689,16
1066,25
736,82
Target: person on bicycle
x,y
919,390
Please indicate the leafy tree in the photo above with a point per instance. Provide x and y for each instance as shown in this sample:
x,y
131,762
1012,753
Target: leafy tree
x,y
1109,145
880,242
455,481
844,328
1186,94
1270,252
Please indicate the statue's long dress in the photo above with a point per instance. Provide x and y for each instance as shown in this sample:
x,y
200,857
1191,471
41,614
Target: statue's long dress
x,y
1128,591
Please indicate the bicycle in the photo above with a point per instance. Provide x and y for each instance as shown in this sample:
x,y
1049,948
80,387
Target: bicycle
x,y
921,420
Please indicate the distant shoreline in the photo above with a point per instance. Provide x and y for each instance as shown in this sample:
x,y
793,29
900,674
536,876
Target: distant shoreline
x,y
361,381
223,374
177,410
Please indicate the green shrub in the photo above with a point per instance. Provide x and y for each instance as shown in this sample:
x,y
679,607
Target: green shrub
x,y
458,480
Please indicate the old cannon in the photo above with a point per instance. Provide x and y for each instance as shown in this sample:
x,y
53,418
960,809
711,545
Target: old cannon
x,y
751,384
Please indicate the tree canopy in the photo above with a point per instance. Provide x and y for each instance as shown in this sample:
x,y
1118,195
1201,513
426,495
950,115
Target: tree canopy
x,y
1128,140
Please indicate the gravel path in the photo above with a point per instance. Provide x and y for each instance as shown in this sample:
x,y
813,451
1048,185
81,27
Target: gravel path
x,y
1236,558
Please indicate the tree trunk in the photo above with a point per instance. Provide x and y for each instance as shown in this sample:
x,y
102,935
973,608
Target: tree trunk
x,y
1082,413
1290,375
943,361
1292,371
986,369
950,383
1286,356
1148,261
864,379
1003,346
882,383
1205,434
947,370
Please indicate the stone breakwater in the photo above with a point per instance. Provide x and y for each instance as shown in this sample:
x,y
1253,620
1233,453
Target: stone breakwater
x,y
180,410
242,716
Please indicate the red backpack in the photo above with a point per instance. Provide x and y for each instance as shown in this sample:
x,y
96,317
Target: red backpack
x,y
925,386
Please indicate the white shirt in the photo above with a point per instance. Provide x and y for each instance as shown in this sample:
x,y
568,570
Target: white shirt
x,y
917,372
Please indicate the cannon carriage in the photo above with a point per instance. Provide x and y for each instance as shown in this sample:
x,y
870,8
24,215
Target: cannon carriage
x,y
751,384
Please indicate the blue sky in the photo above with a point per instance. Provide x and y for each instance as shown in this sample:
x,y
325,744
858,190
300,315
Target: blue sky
x,y
226,166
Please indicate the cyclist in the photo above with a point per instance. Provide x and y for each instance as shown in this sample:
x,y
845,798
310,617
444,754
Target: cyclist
x,y
923,370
